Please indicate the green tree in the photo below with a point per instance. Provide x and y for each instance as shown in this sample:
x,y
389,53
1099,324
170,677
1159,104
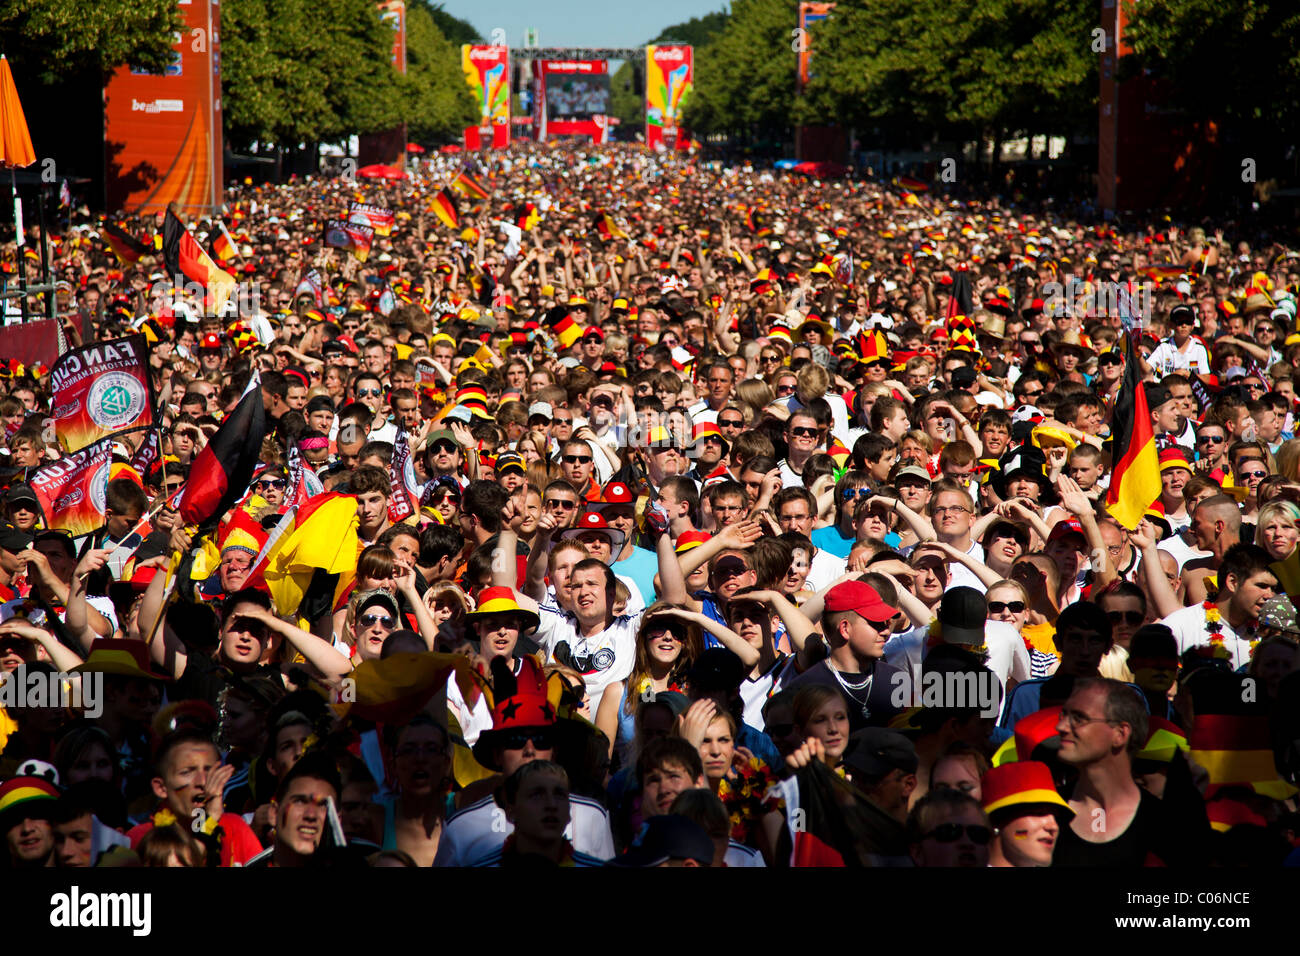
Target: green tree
x,y
744,77
955,67
437,103
58,38
1234,62
699,32
458,32
306,71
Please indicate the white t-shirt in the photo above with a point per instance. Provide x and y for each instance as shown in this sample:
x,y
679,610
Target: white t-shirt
x,y
755,692
1181,550
602,659
1188,625
1167,358
478,829
824,570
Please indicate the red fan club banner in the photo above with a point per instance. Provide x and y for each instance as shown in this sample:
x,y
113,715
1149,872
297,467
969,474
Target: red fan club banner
x,y
376,217
353,236
72,490
101,389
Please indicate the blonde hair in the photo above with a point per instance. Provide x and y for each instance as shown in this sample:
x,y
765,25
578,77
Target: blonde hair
x,y
1277,508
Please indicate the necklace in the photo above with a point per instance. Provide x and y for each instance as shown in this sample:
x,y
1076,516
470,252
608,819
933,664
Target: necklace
x,y
849,687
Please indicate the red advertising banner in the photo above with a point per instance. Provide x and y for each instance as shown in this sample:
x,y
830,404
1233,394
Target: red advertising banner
x,y
341,234
393,13
573,99
72,490
669,80
487,71
162,134
377,217
101,389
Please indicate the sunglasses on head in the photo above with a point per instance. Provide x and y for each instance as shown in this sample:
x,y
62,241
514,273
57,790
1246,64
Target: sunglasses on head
x,y
952,832
997,607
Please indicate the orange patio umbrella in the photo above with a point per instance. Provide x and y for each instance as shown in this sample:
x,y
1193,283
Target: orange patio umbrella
x,y
15,142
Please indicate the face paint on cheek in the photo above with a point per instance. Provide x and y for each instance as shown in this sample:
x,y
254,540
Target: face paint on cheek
x,y
1020,835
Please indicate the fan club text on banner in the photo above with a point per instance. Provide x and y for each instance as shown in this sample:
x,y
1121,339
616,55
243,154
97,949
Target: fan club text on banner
x,y
73,490
101,390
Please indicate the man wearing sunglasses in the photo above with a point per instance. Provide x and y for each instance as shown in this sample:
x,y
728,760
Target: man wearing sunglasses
x,y
577,466
856,623
948,828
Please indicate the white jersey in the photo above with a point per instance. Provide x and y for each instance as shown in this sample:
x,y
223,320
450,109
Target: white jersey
x,y
1189,627
602,658
475,831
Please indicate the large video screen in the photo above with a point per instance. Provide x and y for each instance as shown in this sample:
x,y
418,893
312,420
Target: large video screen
x,y
572,96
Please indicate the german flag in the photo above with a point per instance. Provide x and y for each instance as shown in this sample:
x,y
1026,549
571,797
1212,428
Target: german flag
x,y
607,227
1237,750
754,223
840,827
562,324
912,185
311,557
528,217
469,186
184,256
1135,476
444,207
220,473
223,247
126,247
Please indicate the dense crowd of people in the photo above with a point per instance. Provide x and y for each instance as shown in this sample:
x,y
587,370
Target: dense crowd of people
x,y
667,513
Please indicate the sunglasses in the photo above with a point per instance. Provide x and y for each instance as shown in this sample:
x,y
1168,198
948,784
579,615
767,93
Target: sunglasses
x,y
370,620
443,445
952,832
784,390
271,483
804,432
731,422
770,360
1254,474
363,392
997,607
575,459
848,494
561,504
1210,440
518,739
1131,618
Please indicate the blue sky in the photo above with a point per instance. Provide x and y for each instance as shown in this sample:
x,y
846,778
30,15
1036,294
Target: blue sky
x,y
578,22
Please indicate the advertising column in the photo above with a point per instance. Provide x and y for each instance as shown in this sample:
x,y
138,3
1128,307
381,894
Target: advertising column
x,y
669,79
487,71
162,133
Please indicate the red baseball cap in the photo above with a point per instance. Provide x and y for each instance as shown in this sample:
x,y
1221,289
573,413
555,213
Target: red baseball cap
x,y
859,597
1068,526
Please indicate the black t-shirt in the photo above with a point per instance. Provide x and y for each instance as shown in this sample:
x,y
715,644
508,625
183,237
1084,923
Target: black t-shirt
x,y
205,679
868,706
1147,835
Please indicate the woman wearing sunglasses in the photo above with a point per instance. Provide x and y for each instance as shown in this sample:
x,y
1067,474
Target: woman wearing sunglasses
x,y
667,646
1009,602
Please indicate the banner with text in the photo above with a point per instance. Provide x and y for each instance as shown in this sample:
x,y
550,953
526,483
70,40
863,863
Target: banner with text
x,y
353,236
376,217
101,389
72,491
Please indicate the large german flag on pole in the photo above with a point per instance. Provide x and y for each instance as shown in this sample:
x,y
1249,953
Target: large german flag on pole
x,y
1135,470
220,473
184,256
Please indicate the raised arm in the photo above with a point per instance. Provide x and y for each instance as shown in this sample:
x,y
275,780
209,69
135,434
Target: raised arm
x,y
321,654
803,633
1159,591
919,524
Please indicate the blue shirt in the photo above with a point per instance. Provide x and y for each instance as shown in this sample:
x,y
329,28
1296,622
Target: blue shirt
x,y
641,566
833,540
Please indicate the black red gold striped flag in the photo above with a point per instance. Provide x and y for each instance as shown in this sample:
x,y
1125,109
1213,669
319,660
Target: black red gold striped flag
x,y
1135,469
126,247
444,207
184,256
